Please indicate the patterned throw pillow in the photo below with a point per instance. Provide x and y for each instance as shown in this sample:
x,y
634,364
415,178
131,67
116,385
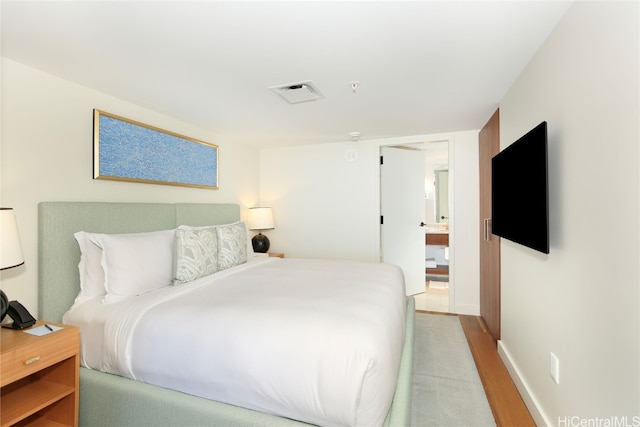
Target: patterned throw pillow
x,y
232,245
196,254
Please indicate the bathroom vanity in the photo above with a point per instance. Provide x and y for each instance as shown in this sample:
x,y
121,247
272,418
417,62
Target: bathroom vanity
x,y
437,239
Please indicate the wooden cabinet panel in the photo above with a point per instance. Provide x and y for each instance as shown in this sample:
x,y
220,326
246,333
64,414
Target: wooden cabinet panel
x,y
489,146
439,239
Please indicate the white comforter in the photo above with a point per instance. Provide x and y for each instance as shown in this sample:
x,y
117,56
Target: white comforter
x,y
317,341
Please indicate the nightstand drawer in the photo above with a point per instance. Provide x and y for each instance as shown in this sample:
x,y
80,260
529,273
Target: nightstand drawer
x,y
37,353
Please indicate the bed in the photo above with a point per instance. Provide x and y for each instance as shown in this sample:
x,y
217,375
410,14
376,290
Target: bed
x,y
107,399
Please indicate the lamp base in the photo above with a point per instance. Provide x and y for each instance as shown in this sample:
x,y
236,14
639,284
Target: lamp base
x,y
260,243
4,304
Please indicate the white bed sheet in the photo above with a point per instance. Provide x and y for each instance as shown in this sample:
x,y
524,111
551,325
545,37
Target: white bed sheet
x,y
314,340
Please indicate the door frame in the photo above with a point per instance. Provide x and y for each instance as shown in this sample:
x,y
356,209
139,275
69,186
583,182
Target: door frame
x,y
411,142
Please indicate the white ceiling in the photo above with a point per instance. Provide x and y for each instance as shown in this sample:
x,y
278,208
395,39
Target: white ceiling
x,y
423,66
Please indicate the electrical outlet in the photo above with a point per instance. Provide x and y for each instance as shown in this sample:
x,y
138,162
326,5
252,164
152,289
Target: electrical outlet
x,y
554,367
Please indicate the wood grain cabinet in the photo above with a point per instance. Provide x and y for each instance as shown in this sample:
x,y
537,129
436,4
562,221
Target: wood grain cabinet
x,y
439,239
39,377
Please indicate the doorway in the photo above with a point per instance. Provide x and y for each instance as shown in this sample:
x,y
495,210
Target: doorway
x,y
421,251
402,212
437,286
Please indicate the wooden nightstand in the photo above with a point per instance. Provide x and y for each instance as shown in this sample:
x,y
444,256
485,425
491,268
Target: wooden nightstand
x,y
39,377
275,254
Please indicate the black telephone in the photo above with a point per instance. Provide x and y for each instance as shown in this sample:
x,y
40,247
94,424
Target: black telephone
x,y
20,315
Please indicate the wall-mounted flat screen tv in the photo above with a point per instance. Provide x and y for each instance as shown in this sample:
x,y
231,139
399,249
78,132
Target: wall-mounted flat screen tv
x,y
520,191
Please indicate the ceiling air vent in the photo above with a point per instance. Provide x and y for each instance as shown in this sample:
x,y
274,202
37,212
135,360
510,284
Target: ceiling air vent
x,y
295,93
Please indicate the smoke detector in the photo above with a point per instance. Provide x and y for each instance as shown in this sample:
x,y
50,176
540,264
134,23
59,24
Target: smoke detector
x,y
295,93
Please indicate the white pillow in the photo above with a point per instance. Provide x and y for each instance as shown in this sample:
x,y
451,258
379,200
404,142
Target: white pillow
x,y
195,254
232,245
90,268
135,263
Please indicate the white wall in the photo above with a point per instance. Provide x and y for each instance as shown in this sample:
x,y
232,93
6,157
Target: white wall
x,y
464,226
328,207
581,301
46,155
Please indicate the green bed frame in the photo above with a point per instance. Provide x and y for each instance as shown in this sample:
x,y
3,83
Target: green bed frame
x,y
110,400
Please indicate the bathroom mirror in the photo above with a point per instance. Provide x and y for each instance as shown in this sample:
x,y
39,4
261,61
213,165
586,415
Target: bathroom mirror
x,y
441,173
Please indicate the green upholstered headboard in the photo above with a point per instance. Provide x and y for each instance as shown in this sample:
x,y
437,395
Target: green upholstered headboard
x,y
58,252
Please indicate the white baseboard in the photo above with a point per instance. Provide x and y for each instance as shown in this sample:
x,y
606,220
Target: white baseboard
x,y
466,309
529,399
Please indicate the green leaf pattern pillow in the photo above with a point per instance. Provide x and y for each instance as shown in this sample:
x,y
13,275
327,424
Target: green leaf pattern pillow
x,y
196,254
232,245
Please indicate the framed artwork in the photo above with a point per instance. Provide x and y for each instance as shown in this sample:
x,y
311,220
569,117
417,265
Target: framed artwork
x,y
126,150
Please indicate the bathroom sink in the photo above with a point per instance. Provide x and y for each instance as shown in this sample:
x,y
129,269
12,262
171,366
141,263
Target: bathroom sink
x,y
438,229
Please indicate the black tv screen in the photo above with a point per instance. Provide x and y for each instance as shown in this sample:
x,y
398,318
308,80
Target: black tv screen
x,y
520,191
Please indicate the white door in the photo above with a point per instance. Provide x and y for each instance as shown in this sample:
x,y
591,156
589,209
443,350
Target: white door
x,y
402,212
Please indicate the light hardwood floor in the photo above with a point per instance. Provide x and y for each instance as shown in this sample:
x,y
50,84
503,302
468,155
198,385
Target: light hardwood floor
x,y
504,399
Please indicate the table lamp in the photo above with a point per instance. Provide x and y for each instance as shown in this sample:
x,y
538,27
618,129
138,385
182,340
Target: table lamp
x,y
10,257
260,218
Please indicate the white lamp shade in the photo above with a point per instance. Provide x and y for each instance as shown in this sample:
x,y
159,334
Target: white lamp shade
x,y
260,219
10,247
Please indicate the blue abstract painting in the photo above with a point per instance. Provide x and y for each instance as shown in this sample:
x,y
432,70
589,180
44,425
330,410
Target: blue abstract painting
x,y
126,150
